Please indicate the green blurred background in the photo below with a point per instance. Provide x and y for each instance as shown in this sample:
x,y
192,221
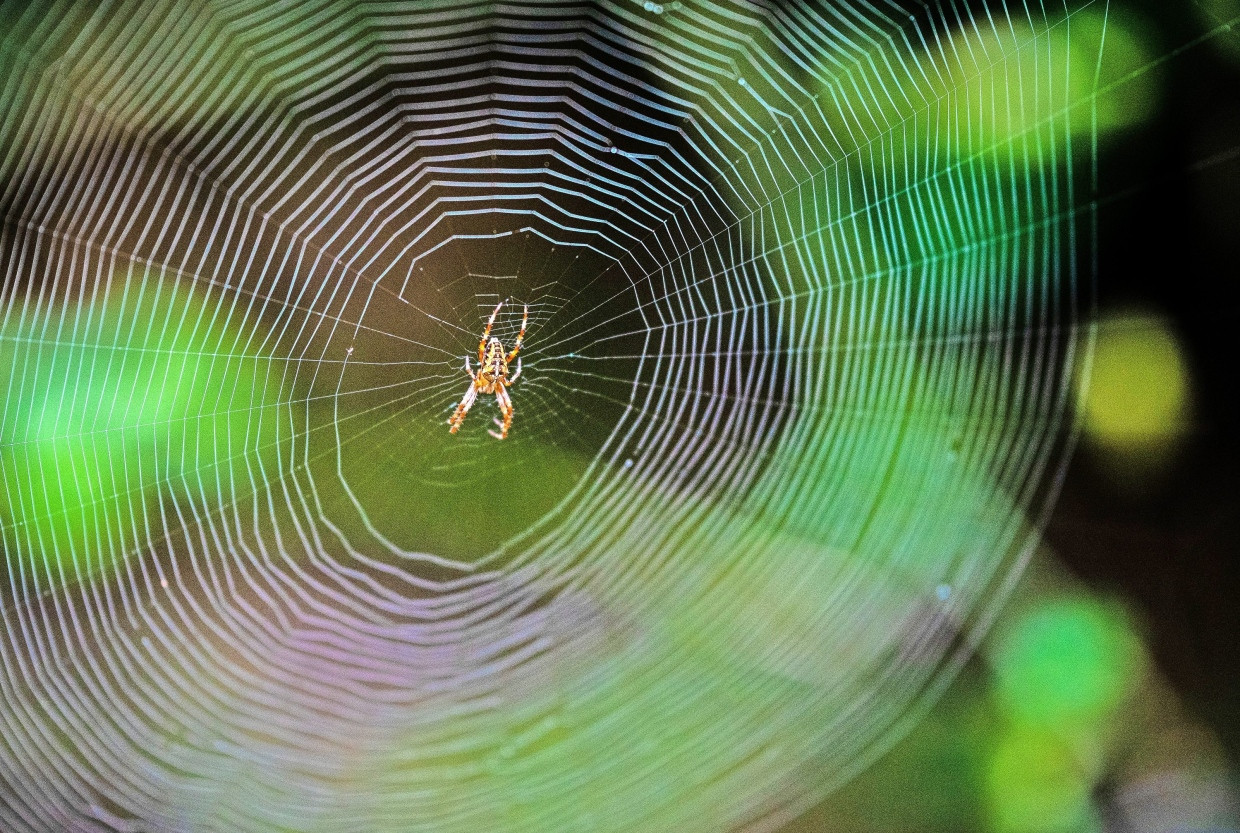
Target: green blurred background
x,y
1108,696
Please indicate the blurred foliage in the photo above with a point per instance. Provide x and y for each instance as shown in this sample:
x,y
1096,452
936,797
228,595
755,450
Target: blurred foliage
x,y
1137,403
137,392
1067,664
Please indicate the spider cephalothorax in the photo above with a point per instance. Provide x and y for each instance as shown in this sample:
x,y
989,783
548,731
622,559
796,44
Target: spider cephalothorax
x,y
492,376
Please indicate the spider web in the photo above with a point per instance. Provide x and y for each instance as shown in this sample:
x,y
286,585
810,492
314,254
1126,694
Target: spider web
x,y
802,292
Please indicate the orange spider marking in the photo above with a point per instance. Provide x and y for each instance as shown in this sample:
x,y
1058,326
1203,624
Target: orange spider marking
x,y
492,376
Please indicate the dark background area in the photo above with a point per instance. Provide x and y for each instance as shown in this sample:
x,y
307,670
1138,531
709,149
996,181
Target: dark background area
x,y
1169,242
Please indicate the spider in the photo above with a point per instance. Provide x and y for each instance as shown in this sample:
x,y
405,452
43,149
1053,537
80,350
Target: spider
x,y
492,376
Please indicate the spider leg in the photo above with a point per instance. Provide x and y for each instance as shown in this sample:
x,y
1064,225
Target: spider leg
x,y
482,345
469,370
516,347
505,407
467,402
515,375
